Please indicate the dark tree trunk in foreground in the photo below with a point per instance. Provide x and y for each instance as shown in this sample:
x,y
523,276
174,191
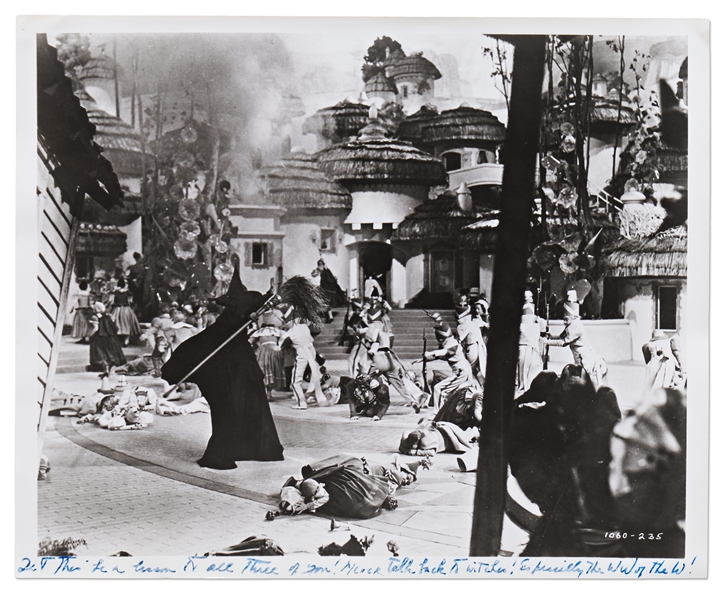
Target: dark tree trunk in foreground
x,y
509,275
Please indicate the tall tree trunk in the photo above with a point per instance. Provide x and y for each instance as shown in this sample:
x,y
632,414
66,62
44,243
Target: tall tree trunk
x,y
509,277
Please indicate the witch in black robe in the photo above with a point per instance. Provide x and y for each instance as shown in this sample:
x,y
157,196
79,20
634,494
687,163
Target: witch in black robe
x,y
232,383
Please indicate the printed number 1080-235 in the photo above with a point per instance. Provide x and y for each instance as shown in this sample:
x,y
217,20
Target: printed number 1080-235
x,y
642,536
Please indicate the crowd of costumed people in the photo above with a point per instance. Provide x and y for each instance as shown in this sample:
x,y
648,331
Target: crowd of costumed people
x,y
233,354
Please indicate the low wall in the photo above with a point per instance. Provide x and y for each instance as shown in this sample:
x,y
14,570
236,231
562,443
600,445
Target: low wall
x,y
612,339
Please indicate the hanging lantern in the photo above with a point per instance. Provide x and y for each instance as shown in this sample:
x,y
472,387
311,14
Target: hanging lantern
x,y
189,230
189,209
221,246
189,135
223,272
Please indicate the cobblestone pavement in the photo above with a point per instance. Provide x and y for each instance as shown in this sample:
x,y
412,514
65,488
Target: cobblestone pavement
x,y
141,491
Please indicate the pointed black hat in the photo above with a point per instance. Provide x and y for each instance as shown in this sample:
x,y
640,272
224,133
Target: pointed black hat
x,y
239,296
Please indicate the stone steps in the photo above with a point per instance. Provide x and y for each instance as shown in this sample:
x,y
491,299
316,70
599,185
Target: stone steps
x,y
407,325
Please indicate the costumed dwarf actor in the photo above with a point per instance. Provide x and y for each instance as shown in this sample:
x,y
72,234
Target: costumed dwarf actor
x,y
232,382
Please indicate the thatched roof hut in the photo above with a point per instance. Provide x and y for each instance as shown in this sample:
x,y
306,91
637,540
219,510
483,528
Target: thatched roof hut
x,y
99,67
414,65
297,182
482,234
380,83
463,124
373,157
444,219
411,128
661,255
338,122
120,142
606,117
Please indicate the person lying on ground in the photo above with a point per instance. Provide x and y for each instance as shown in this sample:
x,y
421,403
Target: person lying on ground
x,y
366,394
437,437
347,487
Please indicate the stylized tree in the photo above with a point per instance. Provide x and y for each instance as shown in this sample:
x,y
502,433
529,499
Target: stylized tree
x,y
376,55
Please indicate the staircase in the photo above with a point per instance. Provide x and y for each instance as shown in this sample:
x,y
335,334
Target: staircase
x,y
407,325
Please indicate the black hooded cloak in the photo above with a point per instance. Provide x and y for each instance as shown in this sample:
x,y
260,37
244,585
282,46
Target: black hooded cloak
x,y
233,384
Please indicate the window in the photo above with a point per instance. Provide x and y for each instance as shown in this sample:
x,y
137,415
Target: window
x,y
453,161
328,241
403,89
667,308
257,254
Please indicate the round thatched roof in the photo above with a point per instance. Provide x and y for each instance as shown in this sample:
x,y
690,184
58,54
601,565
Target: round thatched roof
x,y
413,65
100,67
411,128
380,83
606,111
297,182
394,56
661,255
344,119
120,142
463,124
443,219
372,157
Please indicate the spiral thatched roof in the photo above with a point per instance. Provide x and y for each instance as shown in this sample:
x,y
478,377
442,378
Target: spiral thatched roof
x,y
463,124
380,83
414,64
297,182
661,255
344,119
376,158
443,219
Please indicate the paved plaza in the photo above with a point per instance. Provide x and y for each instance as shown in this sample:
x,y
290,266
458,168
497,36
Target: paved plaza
x,y
141,491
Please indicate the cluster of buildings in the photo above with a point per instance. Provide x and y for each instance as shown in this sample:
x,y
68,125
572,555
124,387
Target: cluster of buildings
x,y
408,192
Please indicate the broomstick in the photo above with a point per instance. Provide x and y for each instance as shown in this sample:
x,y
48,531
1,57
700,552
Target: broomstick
x,y
426,385
305,298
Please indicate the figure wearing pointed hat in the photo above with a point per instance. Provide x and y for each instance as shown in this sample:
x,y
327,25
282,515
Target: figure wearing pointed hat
x,y
471,339
232,383
452,352
574,336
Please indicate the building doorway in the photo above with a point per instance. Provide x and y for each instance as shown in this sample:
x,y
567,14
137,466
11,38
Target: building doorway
x,y
376,262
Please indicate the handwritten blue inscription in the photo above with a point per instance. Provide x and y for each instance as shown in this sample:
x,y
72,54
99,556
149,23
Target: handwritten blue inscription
x,y
404,567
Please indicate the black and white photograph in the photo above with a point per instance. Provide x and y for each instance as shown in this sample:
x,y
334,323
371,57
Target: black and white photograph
x,y
314,298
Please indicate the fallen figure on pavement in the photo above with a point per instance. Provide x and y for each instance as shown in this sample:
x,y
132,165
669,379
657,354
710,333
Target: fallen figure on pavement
x,y
346,487
437,437
367,395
